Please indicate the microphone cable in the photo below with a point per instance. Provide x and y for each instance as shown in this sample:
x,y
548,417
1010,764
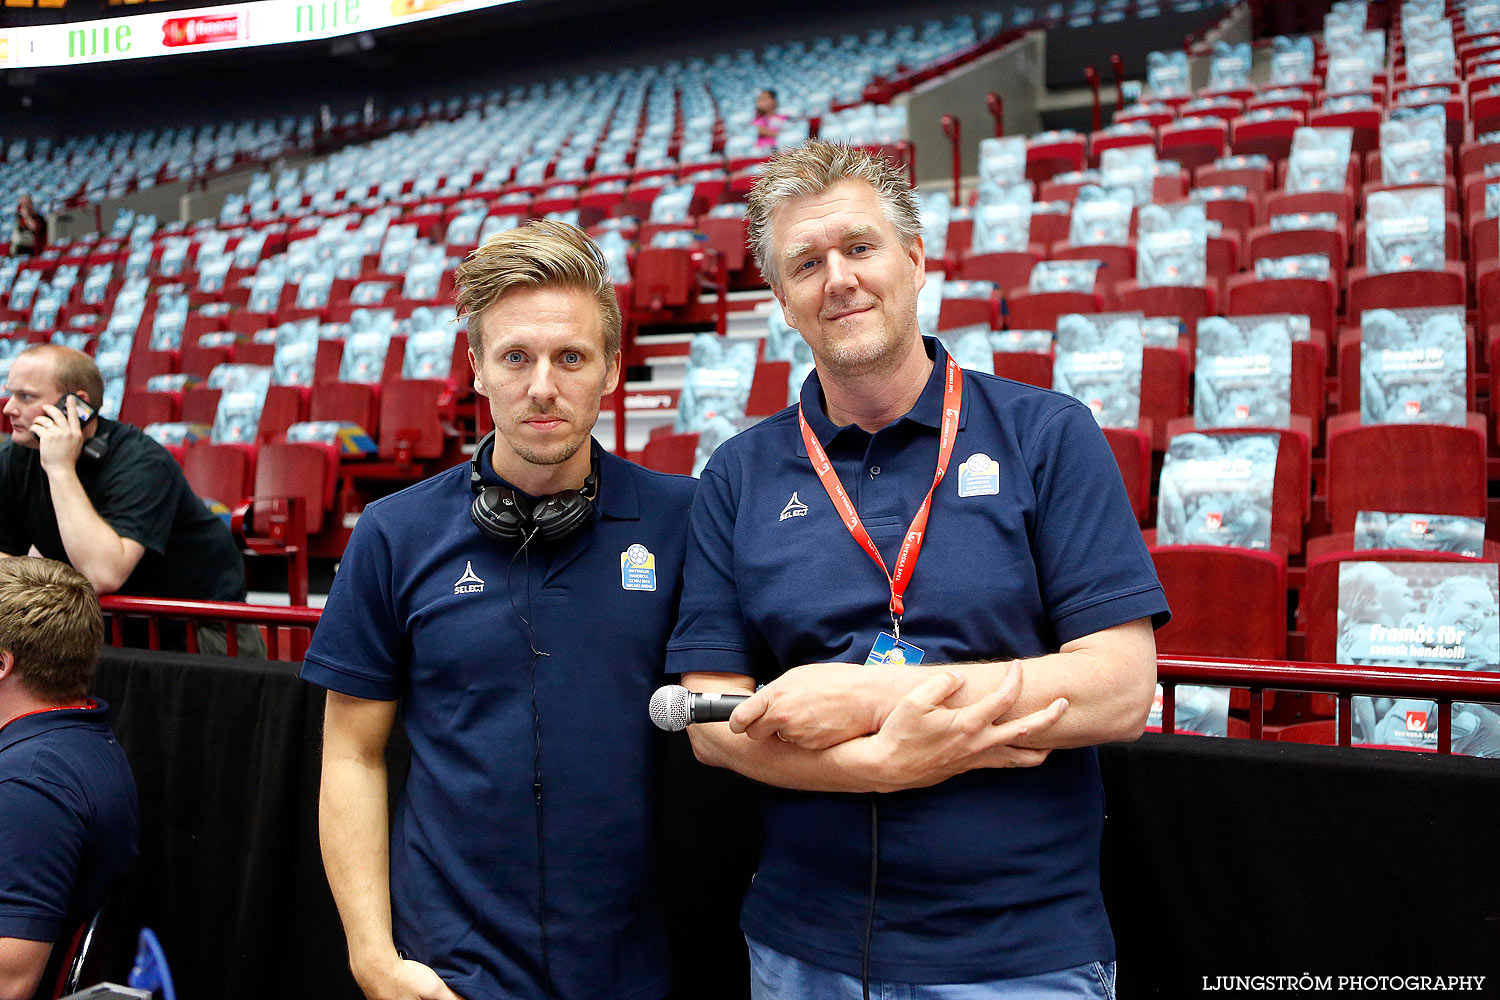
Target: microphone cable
x,y
536,757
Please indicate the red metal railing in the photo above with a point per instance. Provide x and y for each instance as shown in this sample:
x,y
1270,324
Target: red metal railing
x,y
287,630
1092,76
952,128
996,104
1442,686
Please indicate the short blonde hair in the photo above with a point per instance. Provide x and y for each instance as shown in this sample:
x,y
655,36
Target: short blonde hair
x,y
72,371
50,622
811,169
541,254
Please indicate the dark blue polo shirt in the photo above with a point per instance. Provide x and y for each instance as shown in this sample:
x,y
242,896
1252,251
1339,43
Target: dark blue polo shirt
x,y
427,610
993,873
68,819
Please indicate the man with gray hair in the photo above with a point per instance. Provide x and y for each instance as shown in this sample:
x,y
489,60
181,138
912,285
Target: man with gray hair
x,y
933,832
484,601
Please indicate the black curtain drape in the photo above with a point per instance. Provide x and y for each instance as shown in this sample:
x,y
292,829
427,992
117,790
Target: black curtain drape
x,y
1239,858
1221,857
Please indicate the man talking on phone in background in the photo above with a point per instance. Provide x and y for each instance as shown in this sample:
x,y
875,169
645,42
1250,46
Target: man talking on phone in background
x,y
105,498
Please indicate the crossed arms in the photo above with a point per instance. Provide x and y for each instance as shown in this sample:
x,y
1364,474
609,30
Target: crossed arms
x,y
842,727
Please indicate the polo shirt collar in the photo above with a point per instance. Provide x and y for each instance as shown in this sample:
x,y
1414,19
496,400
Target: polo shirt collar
x,y
35,723
927,410
619,497
619,494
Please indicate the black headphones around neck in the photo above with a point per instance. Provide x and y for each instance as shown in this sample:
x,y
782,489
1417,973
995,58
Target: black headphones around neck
x,y
505,515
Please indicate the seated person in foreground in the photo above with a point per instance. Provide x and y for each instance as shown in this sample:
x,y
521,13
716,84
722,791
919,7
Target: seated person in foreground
x,y
67,799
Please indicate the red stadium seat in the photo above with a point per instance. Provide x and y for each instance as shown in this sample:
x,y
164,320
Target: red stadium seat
x,y
663,278
1364,123
1222,260
1415,468
1102,141
1039,310
1406,289
1254,180
199,405
1291,492
141,408
1247,295
1048,228
671,453
283,407
218,471
1351,354
1044,160
1270,138
1452,232
1317,610
728,236
1118,261
1263,242
966,312
411,419
1006,270
145,364
296,470
250,353
1340,203
768,388
1031,367
1197,579
1190,303
201,360
1234,216
1164,389
351,401
1193,145
1132,448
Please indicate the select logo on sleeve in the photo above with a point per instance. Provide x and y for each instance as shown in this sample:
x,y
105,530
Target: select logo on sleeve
x,y
638,568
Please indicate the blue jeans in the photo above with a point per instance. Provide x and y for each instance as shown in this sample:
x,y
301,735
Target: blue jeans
x,y
776,976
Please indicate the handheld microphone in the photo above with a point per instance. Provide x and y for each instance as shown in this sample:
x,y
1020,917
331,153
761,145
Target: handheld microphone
x,y
674,707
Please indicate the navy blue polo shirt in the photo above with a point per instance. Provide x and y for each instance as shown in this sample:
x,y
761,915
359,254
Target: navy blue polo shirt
x,y
993,873
428,610
68,819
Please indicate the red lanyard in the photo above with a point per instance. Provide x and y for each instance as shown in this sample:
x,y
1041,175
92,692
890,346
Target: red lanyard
x,y
911,546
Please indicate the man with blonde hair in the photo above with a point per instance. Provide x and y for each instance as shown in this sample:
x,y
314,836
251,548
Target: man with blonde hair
x,y
105,498
926,832
67,800
518,608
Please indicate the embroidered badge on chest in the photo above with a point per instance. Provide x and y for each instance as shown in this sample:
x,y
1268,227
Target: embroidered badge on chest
x,y
979,476
638,568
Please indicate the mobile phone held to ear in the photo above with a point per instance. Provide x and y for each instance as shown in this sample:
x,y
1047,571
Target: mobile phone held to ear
x,y
97,445
85,411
